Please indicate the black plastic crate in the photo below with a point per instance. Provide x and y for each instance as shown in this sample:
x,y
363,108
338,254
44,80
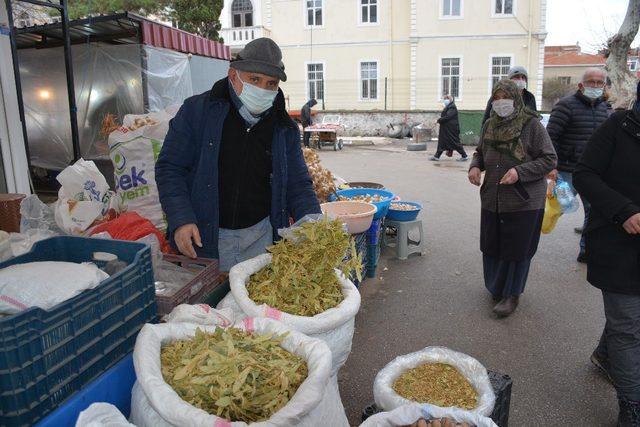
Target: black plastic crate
x,y
501,384
47,356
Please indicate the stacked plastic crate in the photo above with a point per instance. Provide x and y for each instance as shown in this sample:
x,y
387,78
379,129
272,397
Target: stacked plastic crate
x,y
373,247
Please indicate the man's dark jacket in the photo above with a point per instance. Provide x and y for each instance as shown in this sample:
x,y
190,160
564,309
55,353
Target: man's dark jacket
x,y
527,97
187,169
608,177
305,113
573,120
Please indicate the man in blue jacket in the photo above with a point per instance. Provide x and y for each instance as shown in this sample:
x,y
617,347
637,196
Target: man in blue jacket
x,y
231,170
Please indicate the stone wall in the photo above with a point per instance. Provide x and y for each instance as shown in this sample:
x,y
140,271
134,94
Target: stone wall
x,y
376,123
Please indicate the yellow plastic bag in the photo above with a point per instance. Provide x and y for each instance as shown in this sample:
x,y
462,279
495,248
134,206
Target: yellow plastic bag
x,y
552,210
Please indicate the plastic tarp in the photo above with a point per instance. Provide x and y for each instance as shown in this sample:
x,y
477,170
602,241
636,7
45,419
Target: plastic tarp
x,y
108,79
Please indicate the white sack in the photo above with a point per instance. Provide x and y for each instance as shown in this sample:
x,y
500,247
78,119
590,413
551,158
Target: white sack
x,y
200,314
387,399
102,415
155,404
334,326
409,414
134,149
45,284
83,197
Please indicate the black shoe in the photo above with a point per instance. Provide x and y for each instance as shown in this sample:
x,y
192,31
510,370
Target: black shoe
x,y
496,298
582,257
629,415
507,306
578,230
602,365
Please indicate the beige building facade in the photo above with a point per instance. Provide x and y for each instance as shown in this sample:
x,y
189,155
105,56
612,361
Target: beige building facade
x,y
394,54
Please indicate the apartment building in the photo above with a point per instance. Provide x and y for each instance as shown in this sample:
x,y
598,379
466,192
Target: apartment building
x,y
394,54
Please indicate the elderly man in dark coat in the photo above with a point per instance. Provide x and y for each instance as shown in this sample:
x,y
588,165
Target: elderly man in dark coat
x,y
608,177
449,134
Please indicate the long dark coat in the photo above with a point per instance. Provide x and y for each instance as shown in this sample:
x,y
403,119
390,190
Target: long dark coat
x,y
608,177
449,134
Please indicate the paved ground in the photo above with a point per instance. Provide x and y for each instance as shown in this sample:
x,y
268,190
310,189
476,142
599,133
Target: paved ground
x,y
439,299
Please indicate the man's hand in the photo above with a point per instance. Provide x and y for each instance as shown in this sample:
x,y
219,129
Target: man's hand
x,y
553,175
511,177
632,225
184,236
475,176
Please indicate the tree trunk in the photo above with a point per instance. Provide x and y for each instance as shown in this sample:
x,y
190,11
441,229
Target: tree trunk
x,y
623,82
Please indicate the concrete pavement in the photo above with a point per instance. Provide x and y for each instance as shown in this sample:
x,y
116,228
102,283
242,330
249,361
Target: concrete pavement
x,y
439,299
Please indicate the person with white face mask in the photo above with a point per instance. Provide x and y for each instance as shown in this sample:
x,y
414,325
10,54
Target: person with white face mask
x,y
449,133
231,169
518,74
515,154
572,122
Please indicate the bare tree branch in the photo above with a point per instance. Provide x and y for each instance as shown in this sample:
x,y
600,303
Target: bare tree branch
x,y
623,83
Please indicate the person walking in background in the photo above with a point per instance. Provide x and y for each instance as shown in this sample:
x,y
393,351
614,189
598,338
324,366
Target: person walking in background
x,y
449,134
608,177
572,122
516,155
520,77
305,117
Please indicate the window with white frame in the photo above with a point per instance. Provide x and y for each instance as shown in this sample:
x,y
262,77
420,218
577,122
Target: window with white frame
x,y
566,81
315,81
503,7
500,66
369,80
450,72
451,8
314,13
369,11
633,65
242,13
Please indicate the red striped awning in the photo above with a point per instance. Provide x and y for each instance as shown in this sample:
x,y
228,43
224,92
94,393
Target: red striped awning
x,y
158,35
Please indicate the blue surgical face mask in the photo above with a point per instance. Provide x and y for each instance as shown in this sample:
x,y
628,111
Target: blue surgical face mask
x,y
257,100
593,92
446,102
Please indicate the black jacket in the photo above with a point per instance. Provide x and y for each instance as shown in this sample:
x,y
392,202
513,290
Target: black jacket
x,y
305,113
573,120
527,97
608,177
449,134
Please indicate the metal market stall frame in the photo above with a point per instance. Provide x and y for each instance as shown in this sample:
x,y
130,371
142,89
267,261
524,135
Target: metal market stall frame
x,y
105,30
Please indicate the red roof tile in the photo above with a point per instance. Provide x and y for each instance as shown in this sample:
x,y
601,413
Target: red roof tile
x,y
573,58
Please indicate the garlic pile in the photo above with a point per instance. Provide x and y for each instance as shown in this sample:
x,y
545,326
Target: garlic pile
x,y
323,181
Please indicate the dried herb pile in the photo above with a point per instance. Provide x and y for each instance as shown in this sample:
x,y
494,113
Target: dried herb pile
x,y
301,279
233,374
436,383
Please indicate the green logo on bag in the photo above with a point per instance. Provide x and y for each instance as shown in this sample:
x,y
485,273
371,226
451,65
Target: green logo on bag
x,y
119,161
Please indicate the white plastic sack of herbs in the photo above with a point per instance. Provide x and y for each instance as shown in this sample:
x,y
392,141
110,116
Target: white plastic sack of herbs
x,y
155,404
387,399
334,326
409,414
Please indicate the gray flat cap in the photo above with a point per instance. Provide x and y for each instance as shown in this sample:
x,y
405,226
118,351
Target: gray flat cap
x,y
261,56
518,70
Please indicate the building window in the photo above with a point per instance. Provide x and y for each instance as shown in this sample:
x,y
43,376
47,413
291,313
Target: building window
x,y
369,11
565,80
315,80
450,71
314,13
451,8
503,7
500,66
369,80
242,12
633,65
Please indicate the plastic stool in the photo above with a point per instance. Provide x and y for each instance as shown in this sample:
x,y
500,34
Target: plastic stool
x,y
403,244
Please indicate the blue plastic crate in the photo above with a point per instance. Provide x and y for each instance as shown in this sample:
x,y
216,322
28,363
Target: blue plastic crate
x,y
373,255
114,386
373,234
47,356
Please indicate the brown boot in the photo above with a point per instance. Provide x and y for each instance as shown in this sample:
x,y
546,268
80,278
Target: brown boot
x,y
507,306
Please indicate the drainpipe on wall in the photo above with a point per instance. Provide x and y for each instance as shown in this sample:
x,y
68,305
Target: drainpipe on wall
x,y
530,36
390,66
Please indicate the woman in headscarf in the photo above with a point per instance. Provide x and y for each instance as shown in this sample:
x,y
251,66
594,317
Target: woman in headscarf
x,y
608,177
449,135
516,154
